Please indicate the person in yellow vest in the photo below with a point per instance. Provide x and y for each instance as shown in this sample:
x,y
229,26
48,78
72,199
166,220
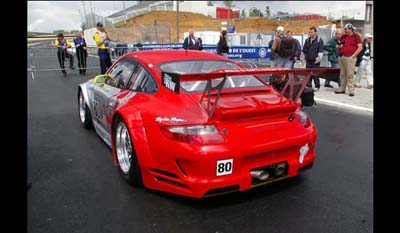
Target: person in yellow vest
x,y
103,44
63,44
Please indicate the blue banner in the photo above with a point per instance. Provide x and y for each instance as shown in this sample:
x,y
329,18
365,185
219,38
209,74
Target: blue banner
x,y
235,52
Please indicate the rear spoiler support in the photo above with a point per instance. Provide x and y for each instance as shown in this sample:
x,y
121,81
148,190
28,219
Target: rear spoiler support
x,y
208,90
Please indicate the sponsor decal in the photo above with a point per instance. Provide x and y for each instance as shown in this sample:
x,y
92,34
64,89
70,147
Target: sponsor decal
x,y
169,119
171,81
262,52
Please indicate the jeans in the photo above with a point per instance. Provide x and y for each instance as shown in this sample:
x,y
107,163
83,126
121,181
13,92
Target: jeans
x,y
283,62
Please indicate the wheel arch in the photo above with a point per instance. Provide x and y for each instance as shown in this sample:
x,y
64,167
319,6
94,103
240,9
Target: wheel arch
x,y
84,89
139,141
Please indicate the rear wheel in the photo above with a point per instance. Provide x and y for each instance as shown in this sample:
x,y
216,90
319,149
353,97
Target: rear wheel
x,y
127,161
84,112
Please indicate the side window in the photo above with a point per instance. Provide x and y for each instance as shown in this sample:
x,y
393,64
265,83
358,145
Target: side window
x,y
121,73
142,82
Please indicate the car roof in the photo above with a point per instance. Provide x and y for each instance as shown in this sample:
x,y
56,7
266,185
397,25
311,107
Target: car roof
x,y
156,57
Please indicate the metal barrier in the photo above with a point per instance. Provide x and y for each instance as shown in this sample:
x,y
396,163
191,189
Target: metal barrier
x,y
50,53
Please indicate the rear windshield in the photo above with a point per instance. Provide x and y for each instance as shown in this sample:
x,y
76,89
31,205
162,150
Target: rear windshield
x,y
205,66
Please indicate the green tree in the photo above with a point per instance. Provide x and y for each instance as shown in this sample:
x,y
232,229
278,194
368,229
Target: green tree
x,y
254,12
243,15
267,12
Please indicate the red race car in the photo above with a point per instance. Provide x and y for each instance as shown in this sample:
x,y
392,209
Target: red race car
x,y
198,124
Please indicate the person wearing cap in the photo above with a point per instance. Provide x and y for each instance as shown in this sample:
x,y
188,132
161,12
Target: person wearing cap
x,y
62,45
103,44
281,53
333,53
81,52
364,60
349,48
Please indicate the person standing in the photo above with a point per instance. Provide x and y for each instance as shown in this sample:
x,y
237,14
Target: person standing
x,y
296,51
313,50
333,53
364,68
200,43
350,47
63,44
81,52
222,46
191,42
103,44
282,47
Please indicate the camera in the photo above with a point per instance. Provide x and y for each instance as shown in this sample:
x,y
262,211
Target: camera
x,y
340,42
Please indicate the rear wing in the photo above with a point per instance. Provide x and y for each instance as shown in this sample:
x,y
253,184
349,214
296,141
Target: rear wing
x,y
297,77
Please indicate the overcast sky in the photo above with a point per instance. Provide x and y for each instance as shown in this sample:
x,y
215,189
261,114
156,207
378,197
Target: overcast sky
x,y
47,16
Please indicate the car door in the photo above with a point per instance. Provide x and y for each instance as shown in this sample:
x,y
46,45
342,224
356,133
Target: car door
x,y
106,95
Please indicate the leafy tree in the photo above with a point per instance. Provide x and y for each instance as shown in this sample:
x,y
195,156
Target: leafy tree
x,y
267,12
254,12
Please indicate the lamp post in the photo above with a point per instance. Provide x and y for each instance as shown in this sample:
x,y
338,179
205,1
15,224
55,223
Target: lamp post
x,y
177,21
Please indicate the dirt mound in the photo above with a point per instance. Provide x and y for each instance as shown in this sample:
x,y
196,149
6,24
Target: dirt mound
x,y
142,27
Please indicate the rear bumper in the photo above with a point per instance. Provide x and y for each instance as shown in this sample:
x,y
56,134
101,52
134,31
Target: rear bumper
x,y
191,171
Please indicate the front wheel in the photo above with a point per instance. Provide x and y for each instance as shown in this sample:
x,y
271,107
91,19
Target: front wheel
x,y
84,112
127,162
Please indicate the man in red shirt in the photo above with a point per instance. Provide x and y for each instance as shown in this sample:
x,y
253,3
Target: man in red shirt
x,y
349,47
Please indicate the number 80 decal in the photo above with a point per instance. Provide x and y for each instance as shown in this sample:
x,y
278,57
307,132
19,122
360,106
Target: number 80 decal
x,y
224,167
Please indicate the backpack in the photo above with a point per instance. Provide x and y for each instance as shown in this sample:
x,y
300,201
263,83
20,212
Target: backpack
x,y
286,47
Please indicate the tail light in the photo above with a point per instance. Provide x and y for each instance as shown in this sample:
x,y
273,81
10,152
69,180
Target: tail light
x,y
199,134
303,118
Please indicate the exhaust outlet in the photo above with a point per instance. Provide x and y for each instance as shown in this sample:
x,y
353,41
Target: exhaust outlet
x,y
280,169
260,174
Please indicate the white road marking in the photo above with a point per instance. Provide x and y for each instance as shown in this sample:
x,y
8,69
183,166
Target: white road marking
x,y
343,105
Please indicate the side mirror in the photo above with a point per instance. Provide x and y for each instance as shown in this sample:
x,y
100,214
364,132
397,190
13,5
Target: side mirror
x,y
101,79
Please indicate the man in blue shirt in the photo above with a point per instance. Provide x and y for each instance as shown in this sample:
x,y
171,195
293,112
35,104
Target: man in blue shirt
x,y
81,52
63,44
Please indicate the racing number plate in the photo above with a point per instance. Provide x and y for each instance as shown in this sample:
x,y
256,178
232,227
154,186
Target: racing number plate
x,y
224,167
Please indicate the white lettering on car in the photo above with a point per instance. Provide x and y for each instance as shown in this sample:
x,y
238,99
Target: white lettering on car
x,y
169,119
168,82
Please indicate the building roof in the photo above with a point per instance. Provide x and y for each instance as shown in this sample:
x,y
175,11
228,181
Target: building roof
x,y
137,6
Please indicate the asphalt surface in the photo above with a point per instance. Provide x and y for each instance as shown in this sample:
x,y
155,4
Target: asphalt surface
x,y
77,188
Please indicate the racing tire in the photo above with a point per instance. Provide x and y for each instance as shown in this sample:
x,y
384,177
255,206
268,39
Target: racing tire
x,y
84,112
127,162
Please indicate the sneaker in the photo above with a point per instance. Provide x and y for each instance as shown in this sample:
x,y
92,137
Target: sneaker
x,y
72,67
357,85
328,85
370,86
351,94
316,88
339,92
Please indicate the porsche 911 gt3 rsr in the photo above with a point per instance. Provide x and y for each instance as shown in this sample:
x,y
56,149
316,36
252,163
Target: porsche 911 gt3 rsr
x,y
197,124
